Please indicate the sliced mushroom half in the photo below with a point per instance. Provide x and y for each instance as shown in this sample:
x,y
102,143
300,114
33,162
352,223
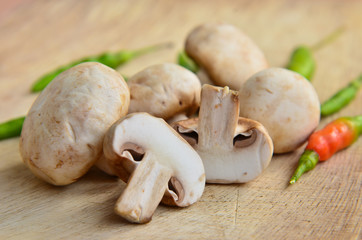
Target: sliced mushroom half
x,y
233,149
157,164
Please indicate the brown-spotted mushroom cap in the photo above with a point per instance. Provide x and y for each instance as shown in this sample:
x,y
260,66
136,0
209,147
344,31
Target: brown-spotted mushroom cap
x,y
160,163
164,90
233,149
63,133
227,55
285,103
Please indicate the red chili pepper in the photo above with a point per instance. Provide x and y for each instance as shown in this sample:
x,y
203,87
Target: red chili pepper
x,y
322,144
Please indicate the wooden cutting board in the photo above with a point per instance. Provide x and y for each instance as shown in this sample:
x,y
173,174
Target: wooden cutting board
x,y
38,36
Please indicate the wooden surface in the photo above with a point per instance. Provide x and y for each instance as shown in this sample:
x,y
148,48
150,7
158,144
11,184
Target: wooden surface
x,y
37,36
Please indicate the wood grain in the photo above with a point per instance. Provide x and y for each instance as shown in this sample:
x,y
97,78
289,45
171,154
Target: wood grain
x,y
37,36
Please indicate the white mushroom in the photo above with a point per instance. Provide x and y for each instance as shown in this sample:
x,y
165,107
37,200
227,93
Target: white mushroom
x,y
285,103
233,149
204,78
164,90
63,133
156,162
228,56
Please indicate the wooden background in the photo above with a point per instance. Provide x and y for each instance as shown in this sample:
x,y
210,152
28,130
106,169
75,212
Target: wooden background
x,y
38,36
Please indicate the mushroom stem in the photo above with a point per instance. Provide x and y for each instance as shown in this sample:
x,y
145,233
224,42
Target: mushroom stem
x,y
144,191
218,117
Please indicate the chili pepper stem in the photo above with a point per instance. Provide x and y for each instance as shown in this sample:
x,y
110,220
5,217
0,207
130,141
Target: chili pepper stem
x,y
329,38
307,161
138,52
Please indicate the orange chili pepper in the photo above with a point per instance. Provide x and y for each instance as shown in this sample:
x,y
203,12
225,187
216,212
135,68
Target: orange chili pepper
x,y
335,136
322,144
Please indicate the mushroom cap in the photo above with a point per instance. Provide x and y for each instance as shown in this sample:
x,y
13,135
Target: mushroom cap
x,y
228,55
63,133
285,103
139,136
164,90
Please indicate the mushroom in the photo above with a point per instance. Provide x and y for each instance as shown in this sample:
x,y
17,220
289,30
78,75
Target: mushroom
x,y
63,133
233,149
156,162
285,103
164,90
204,78
228,56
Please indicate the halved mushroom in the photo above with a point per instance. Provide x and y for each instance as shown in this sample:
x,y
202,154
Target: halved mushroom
x,y
164,90
233,149
156,162
227,55
63,133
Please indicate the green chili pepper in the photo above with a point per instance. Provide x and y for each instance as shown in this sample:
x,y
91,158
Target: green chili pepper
x,y
11,128
185,61
341,98
302,60
322,144
112,60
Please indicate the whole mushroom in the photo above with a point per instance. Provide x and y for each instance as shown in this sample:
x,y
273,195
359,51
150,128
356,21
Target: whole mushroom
x,y
226,54
285,103
63,133
156,163
233,149
164,90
